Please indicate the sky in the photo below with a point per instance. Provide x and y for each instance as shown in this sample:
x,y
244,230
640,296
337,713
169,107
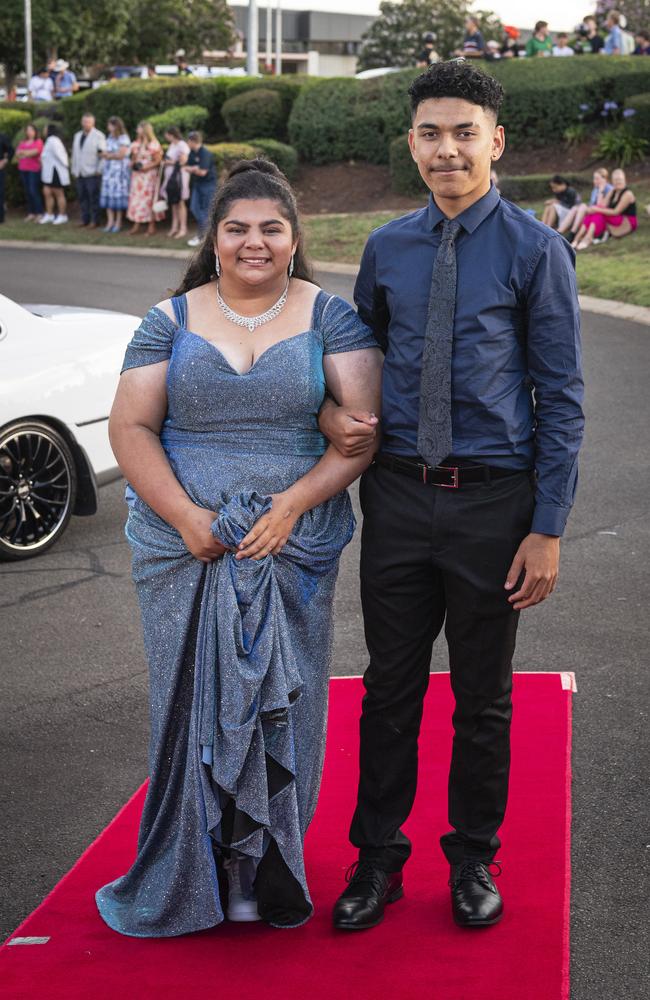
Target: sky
x,y
560,14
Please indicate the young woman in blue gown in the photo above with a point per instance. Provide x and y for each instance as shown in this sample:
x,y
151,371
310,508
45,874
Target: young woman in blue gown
x,y
238,512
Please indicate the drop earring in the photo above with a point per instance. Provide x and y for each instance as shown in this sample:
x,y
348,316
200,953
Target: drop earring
x,y
217,265
291,265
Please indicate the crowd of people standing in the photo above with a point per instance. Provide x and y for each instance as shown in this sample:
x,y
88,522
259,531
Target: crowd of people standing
x,y
114,175
613,39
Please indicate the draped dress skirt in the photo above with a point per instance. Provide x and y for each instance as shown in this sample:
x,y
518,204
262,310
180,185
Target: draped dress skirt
x,y
238,651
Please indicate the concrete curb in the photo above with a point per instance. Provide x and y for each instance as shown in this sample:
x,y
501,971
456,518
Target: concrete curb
x,y
619,310
602,307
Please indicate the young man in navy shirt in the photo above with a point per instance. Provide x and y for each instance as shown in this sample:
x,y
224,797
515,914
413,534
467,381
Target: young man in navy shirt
x,y
475,305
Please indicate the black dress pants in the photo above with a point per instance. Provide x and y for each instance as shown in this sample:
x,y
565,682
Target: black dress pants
x,y
432,556
88,190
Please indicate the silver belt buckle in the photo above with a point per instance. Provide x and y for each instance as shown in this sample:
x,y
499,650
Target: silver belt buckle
x,y
455,477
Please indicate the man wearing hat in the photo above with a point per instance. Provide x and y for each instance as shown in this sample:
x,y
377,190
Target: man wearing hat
x,y
65,82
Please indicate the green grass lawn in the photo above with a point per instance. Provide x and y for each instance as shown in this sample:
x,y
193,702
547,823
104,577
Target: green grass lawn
x,y
619,269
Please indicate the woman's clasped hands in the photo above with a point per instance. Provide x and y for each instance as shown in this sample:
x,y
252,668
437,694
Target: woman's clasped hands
x,y
195,528
269,535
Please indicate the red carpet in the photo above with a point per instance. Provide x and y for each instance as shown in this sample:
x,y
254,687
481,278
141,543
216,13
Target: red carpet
x,y
416,954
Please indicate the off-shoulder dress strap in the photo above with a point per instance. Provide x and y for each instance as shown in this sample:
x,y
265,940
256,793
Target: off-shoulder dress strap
x,y
152,342
179,302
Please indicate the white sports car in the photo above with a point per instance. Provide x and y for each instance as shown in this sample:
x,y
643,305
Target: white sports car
x,y
59,368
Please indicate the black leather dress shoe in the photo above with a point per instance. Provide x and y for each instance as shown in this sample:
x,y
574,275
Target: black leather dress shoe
x,y
475,900
362,904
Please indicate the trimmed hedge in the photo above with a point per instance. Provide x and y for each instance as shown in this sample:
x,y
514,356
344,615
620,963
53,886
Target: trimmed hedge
x,y
339,119
342,119
14,191
404,175
39,109
284,157
226,154
12,121
543,96
189,117
254,113
135,100
640,122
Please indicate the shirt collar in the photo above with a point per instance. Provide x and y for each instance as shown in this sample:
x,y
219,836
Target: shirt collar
x,y
473,216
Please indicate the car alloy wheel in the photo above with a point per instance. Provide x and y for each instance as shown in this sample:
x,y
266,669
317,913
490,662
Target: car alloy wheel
x,y
38,486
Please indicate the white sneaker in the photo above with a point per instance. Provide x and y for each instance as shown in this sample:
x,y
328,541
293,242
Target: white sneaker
x,y
242,905
194,242
60,219
46,218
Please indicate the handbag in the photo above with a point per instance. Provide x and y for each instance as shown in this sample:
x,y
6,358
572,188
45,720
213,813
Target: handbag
x,y
160,205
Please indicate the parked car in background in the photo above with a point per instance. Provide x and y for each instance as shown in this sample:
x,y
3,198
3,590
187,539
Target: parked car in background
x,y
59,368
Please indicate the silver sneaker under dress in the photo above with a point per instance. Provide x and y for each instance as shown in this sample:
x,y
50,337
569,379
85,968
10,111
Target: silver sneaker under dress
x,y
238,652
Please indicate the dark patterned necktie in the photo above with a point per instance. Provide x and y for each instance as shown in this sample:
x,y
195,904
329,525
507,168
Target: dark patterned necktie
x,y
434,423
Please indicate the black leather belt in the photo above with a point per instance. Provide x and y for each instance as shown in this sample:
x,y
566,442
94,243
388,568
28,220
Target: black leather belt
x,y
448,476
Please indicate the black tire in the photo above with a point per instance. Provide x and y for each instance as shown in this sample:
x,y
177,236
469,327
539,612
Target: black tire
x,y
38,488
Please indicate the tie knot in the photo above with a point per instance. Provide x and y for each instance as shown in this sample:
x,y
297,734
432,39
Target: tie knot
x,y
450,230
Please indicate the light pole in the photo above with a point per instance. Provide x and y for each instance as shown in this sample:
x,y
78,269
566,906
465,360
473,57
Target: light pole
x,y
29,60
278,39
268,59
252,67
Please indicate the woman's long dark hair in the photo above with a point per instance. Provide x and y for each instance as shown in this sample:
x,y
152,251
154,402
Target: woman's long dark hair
x,y
248,180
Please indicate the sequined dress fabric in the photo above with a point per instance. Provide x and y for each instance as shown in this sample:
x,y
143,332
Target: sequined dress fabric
x,y
238,651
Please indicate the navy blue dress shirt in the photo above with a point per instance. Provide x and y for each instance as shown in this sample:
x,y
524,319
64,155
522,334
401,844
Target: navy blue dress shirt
x,y
517,385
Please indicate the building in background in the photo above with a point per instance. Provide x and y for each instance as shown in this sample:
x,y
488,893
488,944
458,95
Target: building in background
x,y
316,42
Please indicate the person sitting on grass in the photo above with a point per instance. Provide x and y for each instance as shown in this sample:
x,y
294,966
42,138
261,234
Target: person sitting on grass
x,y
557,208
617,218
575,216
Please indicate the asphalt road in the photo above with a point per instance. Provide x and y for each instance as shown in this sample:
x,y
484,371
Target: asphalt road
x,y
73,707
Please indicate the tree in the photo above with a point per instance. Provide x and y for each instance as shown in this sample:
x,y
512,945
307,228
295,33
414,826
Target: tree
x,y
158,28
637,13
395,38
80,30
107,31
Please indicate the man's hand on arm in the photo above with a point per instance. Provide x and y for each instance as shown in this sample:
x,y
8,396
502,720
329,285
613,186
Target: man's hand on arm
x,y
352,432
538,557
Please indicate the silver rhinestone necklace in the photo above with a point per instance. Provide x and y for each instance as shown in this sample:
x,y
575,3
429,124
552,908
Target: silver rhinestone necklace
x,y
252,322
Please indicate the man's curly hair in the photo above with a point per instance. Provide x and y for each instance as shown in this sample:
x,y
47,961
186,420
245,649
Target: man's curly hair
x,y
457,78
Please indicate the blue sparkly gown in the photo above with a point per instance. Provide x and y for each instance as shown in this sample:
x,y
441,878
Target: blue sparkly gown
x,y
238,652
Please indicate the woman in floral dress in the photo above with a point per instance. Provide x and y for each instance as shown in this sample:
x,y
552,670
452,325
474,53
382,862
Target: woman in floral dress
x,y
146,154
114,195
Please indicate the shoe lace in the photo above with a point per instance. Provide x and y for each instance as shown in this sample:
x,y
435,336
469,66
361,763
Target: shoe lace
x,y
476,871
365,873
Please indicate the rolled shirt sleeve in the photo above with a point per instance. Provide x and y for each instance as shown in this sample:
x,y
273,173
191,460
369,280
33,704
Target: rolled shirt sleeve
x,y
555,369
